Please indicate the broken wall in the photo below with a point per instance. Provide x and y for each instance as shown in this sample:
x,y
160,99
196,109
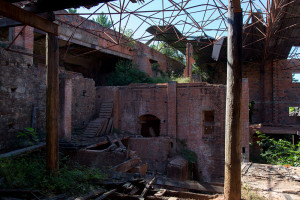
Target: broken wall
x,y
23,97
190,113
22,87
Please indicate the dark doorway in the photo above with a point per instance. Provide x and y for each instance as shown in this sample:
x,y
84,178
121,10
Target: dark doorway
x,y
149,125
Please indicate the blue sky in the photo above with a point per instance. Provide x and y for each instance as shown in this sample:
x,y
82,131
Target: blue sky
x,y
211,21
208,18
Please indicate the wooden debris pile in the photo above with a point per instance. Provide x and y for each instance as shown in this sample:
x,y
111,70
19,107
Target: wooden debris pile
x,y
137,188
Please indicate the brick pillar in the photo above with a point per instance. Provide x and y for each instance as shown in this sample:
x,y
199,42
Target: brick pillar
x,y
65,114
25,40
172,114
189,60
245,120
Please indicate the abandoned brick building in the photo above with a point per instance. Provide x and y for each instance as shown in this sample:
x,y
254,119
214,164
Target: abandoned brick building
x,y
166,115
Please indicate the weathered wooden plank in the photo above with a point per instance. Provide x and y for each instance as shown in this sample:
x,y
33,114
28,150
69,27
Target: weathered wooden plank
x,y
15,13
127,165
232,182
52,99
21,151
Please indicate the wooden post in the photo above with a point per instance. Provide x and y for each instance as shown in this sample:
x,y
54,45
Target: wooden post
x,y
52,93
232,184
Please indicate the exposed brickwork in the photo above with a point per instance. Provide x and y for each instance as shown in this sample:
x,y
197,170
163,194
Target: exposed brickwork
x,y
83,101
286,93
140,53
185,103
153,151
245,120
21,87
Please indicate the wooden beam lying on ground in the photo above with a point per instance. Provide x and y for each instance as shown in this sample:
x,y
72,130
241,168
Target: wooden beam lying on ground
x,y
188,185
21,151
15,13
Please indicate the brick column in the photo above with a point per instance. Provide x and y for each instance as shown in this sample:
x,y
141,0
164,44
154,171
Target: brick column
x,y
245,120
189,60
172,114
25,40
65,114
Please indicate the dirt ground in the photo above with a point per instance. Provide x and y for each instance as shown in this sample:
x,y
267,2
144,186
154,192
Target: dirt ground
x,y
271,181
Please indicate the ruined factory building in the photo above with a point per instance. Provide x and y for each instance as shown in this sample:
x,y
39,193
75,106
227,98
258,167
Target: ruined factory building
x,y
137,90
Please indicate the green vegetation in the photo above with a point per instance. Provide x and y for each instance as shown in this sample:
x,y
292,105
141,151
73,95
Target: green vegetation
x,y
181,79
169,51
280,152
127,73
103,20
186,153
72,10
29,172
127,35
28,137
249,194
251,110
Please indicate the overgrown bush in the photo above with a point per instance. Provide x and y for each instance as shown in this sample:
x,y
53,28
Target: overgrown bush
x,y
280,152
29,172
28,137
126,73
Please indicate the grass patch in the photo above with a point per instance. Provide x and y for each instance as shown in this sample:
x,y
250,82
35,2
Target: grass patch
x,y
248,194
29,172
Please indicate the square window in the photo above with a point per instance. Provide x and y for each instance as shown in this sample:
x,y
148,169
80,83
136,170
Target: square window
x,y
295,77
294,111
209,116
208,122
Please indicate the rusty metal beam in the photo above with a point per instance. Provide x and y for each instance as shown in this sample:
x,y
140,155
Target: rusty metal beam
x,y
18,14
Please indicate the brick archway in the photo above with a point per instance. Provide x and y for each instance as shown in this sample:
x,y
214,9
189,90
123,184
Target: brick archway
x,y
149,125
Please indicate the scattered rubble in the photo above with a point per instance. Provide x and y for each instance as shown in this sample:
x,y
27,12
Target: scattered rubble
x,y
272,181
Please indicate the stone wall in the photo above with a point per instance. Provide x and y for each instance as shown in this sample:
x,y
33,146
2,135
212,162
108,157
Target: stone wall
x,y
83,101
22,87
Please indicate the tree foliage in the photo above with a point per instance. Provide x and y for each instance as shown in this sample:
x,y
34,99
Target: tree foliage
x,y
127,73
169,51
281,151
72,10
103,20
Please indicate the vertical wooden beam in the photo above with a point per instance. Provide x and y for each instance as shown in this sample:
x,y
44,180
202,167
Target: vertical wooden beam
x,y
52,93
232,184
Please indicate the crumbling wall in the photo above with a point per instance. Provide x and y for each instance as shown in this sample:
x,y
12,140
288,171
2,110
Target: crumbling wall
x,y
286,93
83,101
137,100
273,92
191,113
192,101
22,87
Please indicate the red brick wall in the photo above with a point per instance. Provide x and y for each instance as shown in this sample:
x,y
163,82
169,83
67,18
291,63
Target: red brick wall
x,y
272,90
26,38
286,93
192,100
245,120
180,108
